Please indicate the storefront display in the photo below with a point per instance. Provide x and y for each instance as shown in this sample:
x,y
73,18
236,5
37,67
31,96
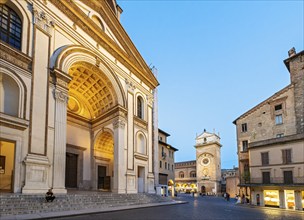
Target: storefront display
x,y
289,199
303,200
271,198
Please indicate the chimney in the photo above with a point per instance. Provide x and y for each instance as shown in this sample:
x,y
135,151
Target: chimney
x,y
295,66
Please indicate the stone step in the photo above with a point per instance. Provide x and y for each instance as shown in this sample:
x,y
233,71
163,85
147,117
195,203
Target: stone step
x,y
16,204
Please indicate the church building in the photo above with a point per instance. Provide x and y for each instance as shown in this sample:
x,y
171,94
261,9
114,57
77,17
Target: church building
x,y
203,174
76,100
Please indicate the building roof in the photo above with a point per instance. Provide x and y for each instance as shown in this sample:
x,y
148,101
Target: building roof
x,y
163,132
292,57
168,145
264,102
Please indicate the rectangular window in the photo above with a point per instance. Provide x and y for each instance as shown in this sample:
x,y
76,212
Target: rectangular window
x,y
160,164
245,146
265,158
286,155
165,165
278,119
172,167
288,177
278,107
168,166
244,127
266,177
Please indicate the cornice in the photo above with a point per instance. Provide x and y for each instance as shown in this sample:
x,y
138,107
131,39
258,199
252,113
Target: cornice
x,y
13,122
70,9
16,57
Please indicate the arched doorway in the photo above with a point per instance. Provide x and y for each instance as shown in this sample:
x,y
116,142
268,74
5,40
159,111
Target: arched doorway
x,y
104,157
7,162
203,189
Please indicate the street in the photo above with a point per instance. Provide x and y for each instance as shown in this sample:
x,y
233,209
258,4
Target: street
x,y
198,208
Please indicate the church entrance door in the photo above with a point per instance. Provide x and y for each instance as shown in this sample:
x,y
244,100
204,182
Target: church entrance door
x,y
203,190
71,170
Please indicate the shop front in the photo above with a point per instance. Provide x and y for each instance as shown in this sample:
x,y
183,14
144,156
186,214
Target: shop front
x,y
289,199
271,198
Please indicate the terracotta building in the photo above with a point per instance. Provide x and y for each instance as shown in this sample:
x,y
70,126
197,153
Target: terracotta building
x,y
270,140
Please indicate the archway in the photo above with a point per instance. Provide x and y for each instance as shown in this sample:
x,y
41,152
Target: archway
x,y
104,156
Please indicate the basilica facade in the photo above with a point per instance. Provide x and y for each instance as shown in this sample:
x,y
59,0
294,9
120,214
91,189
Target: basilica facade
x,y
76,100
203,174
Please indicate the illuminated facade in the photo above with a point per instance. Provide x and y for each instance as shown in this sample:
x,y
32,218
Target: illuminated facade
x,y
203,174
76,100
271,144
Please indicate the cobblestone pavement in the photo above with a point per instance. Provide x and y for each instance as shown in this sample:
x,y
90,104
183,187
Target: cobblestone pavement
x,y
198,208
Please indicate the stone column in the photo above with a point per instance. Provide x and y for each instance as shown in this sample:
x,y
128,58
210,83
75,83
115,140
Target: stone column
x,y
119,178
60,95
298,200
282,199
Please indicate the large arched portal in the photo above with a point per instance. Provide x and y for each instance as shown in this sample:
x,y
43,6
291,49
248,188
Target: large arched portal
x,y
92,107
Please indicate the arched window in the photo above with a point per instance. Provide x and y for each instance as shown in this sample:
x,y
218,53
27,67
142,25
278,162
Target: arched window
x,y
181,174
140,107
9,95
141,144
10,27
192,174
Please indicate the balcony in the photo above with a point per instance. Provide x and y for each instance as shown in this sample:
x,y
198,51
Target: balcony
x,y
273,181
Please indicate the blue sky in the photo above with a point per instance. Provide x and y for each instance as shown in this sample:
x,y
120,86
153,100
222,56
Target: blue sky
x,y
215,60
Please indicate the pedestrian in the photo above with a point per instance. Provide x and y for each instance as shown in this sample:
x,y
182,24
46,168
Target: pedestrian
x,y
49,196
228,196
243,199
225,195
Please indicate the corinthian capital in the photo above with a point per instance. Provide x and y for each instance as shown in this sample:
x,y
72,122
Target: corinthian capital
x,y
61,96
119,123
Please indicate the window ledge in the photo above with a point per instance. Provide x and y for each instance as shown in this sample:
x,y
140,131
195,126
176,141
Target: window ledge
x,y
13,122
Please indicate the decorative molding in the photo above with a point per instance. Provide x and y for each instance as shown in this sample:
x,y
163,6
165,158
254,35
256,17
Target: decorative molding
x,y
102,158
61,96
13,122
119,123
140,123
141,156
130,86
42,20
150,100
15,57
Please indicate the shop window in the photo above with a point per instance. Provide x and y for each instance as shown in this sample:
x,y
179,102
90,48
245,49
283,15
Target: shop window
x,y
271,198
10,27
303,200
289,199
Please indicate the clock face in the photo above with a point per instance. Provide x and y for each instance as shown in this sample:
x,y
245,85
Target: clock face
x,y
205,161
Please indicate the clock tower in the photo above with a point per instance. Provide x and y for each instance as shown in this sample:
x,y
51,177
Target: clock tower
x,y
208,163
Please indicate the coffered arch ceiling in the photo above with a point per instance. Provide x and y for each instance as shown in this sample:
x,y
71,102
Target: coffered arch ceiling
x,y
91,93
105,143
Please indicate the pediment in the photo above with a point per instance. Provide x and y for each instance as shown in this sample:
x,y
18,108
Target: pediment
x,y
109,34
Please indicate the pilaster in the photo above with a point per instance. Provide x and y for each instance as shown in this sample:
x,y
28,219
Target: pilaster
x,y
119,156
